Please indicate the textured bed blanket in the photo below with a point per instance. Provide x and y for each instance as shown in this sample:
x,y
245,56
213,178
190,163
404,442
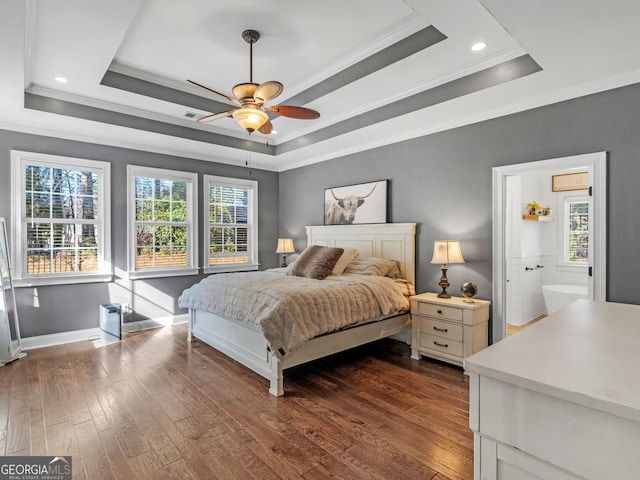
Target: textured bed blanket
x,y
290,310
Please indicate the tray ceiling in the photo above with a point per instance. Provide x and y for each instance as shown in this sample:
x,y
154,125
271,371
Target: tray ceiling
x,y
377,75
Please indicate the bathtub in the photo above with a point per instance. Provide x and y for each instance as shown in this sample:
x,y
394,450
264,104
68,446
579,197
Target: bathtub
x,y
559,296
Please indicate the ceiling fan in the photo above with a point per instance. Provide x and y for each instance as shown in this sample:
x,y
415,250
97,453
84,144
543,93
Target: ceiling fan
x,y
251,98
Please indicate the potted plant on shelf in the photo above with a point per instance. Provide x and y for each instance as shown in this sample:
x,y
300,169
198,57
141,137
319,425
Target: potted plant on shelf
x,y
533,208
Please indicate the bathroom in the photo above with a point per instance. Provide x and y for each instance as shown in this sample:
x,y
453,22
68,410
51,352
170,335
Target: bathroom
x,y
548,214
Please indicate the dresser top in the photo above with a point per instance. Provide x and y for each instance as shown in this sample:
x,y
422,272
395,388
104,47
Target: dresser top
x,y
587,353
451,302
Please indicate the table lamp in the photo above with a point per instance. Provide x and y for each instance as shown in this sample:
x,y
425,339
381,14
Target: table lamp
x,y
445,252
285,245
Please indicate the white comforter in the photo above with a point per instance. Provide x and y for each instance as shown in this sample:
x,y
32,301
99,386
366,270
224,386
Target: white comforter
x,y
290,310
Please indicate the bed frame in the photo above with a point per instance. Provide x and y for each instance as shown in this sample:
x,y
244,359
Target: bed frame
x,y
394,241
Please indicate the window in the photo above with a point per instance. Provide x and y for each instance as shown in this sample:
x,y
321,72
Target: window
x,y
576,231
231,207
162,222
61,219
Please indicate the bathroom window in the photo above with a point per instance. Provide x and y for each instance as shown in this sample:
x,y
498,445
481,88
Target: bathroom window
x,y
576,231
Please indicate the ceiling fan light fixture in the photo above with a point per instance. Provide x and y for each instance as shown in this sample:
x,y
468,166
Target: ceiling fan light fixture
x,y
250,119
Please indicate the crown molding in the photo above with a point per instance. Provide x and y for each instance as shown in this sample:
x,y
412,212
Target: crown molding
x,y
427,84
376,141
512,108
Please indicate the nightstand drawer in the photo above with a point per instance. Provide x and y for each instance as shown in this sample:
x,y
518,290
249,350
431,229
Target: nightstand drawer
x,y
450,313
433,326
440,344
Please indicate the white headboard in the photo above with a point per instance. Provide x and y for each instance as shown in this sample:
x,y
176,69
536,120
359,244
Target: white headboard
x,y
395,241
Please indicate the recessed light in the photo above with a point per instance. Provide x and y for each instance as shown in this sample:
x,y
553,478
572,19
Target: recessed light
x,y
273,132
476,47
61,80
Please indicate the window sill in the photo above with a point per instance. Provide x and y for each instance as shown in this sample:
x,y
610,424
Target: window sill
x,y
183,272
563,267
41,281
231,268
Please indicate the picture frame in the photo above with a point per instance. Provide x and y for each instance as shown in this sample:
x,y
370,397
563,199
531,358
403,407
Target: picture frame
x,y
356,204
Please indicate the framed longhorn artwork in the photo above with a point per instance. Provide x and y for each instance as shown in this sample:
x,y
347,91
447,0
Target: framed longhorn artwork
x,y
351,204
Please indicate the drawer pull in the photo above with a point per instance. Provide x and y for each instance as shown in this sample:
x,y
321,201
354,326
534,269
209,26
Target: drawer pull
x,y
440,312
440,344
440,329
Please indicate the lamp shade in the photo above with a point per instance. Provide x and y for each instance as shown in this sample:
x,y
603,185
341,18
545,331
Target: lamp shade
x,y
285,245
447,251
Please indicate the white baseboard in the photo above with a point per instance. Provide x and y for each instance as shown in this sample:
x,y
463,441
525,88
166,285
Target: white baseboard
x,y
40,341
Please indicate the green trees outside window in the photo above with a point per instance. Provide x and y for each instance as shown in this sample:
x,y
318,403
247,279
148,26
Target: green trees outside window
x,y
61,210
162,231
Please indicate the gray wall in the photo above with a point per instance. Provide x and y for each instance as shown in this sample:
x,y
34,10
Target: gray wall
x,y
52,309
443,183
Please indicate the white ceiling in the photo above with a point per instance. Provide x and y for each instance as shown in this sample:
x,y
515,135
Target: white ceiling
x,y
582,46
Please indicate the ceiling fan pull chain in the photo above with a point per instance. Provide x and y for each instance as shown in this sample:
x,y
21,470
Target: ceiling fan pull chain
x,y
247,151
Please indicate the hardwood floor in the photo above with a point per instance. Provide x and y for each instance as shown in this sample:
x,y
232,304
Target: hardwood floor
x,y
153,406
511,328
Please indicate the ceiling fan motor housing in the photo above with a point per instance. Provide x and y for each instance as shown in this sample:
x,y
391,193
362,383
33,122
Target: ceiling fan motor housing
x,y
245,91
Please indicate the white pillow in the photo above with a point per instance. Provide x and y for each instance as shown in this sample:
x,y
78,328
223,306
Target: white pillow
x,y
345,259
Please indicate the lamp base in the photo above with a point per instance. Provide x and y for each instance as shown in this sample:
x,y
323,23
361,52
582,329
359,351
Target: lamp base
x,y
284,260
444,283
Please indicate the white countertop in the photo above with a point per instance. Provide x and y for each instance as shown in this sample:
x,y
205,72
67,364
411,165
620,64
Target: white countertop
x,y
587,353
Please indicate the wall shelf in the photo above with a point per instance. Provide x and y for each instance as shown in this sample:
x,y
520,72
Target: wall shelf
x,y
538,218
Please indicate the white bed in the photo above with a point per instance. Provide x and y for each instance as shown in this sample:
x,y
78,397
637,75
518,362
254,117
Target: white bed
x,y
395,241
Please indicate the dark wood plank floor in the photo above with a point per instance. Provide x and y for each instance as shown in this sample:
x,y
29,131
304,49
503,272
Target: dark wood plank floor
x,y
153,406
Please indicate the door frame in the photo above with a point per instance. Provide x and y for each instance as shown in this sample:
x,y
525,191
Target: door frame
x,y
597,164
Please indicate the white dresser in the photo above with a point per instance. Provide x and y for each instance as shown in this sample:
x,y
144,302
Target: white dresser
x,y
560,399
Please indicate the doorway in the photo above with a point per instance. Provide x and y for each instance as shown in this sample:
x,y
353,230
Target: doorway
x,y
503,201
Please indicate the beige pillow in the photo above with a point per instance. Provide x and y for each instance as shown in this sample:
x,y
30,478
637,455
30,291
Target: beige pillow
x,y
349,254
315,262
374,266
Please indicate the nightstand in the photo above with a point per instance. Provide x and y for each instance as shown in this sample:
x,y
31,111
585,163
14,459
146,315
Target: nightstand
x,y
448,329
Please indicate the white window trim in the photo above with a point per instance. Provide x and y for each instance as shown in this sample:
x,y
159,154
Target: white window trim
x,y
563,264
192,268
253,223
19,159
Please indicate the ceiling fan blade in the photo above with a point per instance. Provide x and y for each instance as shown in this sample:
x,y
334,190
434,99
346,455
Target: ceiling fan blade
x,y
294,112
267,128
267,91
215,116
232,100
